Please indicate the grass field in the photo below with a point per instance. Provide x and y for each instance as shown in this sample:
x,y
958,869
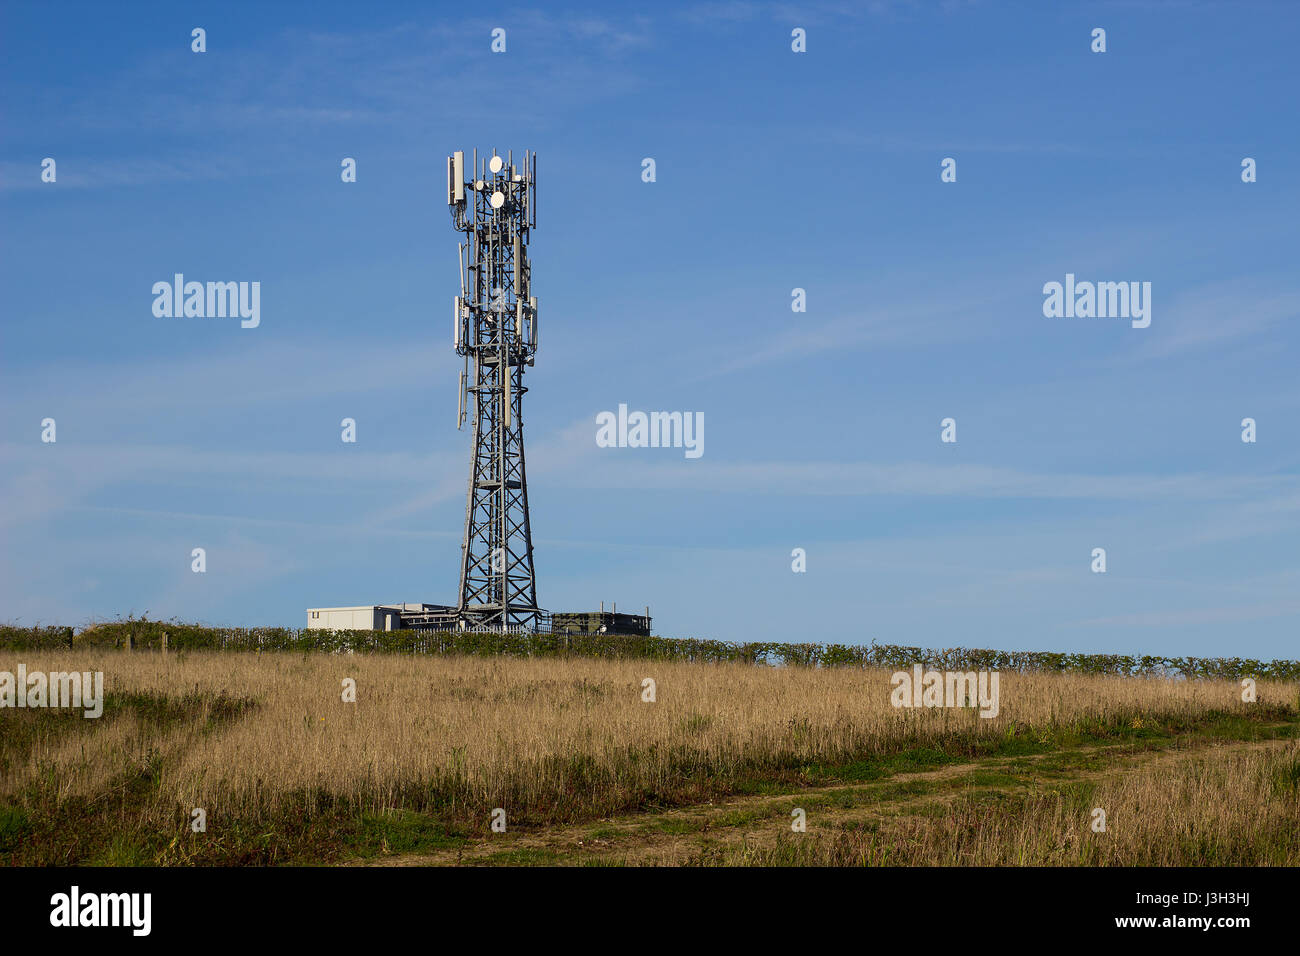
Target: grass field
x,y
589,773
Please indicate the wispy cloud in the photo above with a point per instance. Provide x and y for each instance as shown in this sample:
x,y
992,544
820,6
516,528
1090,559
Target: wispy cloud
x,y
916,479
1216,315
1200,616
296,80
895,322
83,172
267,371
744,11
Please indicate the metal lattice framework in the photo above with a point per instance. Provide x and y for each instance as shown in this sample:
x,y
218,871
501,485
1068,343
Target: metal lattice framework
x,y
495,329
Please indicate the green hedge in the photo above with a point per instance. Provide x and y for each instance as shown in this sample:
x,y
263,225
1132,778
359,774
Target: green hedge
x,y
149,635
35,638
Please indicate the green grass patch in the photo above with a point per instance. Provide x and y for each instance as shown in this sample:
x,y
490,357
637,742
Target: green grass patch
x,y
402,831
739,818
125,850
678,826
15,827
525,856
991,778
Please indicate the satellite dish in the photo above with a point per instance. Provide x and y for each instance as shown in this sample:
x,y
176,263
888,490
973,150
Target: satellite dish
x,y
498,199
479,184
495,164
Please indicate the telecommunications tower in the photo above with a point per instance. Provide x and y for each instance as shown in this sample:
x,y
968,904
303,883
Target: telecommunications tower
x,y
495,330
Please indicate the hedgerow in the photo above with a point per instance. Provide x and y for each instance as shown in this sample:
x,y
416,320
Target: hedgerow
x,y
149,635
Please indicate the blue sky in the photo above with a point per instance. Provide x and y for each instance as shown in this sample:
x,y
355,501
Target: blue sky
x,y
775,170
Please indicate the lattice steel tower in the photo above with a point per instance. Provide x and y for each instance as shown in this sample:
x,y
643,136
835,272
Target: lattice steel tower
x,y
495,329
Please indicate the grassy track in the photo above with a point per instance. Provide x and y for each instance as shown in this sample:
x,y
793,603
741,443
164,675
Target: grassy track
x,y
1039,805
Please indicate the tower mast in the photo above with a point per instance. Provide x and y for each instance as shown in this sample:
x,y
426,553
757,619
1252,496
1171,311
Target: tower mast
x,y
495,330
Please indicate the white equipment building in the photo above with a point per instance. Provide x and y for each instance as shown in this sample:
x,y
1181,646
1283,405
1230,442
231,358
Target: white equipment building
x,y
373,617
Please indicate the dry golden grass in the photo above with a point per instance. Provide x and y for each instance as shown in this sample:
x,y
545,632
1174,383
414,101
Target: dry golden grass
x,y
547,739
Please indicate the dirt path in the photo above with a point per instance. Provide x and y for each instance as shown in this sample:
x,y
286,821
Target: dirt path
x,y
677,836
